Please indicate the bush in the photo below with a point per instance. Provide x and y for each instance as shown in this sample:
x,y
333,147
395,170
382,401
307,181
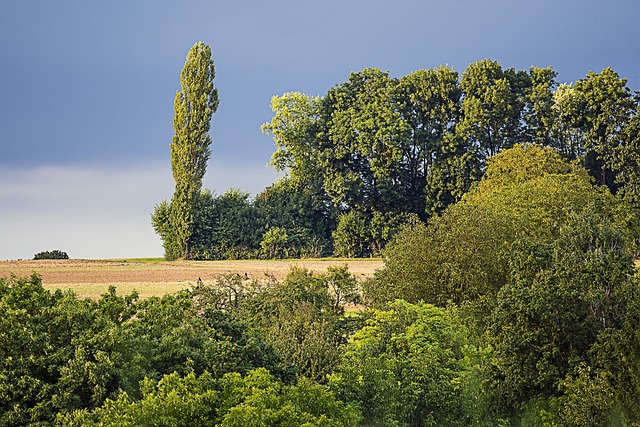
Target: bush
x,y
463,254
411,365
54,254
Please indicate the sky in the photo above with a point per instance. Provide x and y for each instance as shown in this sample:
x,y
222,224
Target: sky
x,y
87,89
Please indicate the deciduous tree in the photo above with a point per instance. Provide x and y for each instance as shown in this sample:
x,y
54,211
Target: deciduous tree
x,y
409,366
194,104
492,108
599,108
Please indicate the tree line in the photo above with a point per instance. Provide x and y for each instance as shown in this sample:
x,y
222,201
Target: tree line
x,y
380,149
376,151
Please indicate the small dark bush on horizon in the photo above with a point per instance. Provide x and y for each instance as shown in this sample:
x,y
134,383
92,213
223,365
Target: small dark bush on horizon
x,y
54,254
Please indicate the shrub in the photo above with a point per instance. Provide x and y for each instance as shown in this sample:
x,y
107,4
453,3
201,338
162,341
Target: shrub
x,y
54,254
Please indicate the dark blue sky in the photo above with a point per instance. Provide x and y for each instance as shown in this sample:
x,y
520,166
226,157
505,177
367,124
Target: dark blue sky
x,y
86,104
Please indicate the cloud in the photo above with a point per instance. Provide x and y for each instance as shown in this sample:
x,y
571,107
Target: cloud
x,y
97,213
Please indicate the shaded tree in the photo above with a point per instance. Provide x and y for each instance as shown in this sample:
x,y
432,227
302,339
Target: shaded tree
x,y
560,301
598,109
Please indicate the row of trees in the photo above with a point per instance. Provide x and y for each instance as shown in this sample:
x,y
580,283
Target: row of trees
x,y
380,148
518,305
282,221
374,151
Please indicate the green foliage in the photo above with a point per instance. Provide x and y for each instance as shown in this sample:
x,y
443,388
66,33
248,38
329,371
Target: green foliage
x,y
161,221
59,354
227,226
524,163
539,106
260,402
562,302
304,213
492,107
351,236
595,118
232,226
416,144
411,365
54,254
372,142
360,235
539,262
303,318
291,128
588,400
275,243
233,400
613,373
463,255
360,158
625,160
435,166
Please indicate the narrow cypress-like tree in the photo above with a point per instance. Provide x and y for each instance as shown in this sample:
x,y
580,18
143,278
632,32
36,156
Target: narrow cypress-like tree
x,y
194,104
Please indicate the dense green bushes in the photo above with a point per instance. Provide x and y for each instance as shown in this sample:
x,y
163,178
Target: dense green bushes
x,y
539,265
410,365
284,221
59,354
231,401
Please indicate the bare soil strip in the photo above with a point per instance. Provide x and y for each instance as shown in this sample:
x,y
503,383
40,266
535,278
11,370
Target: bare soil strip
x,y
91,278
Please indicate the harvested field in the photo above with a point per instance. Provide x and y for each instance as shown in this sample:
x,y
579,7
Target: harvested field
x,y
91,278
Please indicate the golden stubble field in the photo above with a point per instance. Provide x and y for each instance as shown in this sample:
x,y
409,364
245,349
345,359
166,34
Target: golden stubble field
x,y
91,278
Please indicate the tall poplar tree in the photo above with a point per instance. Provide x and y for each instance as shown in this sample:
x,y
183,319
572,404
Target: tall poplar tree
x,y
194,104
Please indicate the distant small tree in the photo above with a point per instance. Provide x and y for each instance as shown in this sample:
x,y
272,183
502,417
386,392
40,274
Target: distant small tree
x,y
54,254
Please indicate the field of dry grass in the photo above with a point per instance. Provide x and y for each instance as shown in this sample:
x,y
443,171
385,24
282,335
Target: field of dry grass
x,y
91,278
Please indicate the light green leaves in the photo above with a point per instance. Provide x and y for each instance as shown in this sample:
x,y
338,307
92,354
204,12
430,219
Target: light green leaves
x,y
194,104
